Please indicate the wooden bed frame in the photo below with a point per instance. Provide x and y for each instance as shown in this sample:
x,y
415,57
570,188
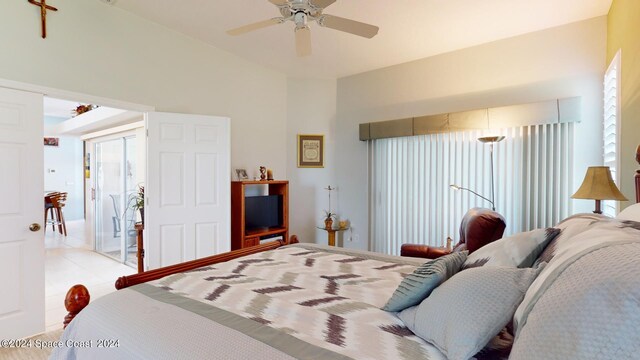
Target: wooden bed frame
x,y
78,296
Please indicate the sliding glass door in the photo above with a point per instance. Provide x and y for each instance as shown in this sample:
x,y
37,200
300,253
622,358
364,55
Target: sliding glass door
x,y
115,191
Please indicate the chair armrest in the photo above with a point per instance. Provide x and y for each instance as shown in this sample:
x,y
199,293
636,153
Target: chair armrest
x,y
423,251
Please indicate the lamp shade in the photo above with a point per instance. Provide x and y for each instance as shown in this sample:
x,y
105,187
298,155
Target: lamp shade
x,y
598,185
491,139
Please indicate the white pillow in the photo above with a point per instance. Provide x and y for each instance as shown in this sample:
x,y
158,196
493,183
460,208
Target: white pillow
x,y
464,313
630,213
519,250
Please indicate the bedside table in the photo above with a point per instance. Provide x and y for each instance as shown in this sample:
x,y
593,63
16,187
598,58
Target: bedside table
x,y
331,234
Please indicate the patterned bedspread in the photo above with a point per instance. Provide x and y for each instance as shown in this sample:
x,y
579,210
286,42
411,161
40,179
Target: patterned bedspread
x,y
305,301
330,299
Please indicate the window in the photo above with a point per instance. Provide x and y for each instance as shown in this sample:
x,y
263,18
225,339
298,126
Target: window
x,y
411,201
611,122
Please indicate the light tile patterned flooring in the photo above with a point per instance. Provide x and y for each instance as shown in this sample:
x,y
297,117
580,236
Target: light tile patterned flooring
x,y
69,261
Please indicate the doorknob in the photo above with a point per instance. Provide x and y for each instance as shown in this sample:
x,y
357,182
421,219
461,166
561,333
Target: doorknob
x,y
34,227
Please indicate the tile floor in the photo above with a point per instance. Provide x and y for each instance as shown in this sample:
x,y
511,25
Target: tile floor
x,y
69,261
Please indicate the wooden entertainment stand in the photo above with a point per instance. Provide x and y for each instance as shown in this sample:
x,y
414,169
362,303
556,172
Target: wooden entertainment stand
x,y
240,237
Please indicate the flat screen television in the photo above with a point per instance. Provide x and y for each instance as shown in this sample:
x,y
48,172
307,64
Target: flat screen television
x,y
263,211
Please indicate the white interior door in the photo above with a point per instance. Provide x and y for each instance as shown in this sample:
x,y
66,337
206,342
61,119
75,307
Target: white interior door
x,y
187,193
22,194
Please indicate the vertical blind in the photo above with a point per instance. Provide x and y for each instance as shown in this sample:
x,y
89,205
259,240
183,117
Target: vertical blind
x,y
610,134
411,201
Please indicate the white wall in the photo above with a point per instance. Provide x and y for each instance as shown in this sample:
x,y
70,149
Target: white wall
x,y
63,170
560,62
311,109
96,49
103,51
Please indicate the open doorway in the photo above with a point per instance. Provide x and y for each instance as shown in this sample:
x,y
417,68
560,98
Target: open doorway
x,y
187,172
94,166
63,175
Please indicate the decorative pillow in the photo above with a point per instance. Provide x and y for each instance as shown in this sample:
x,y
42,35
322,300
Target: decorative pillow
x,y
462,315
600,233
569,227
519,250
588,308
630,213
418,285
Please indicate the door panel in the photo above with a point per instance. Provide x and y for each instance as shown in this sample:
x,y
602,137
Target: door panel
x,y
172,175
188,191
22,194
204,234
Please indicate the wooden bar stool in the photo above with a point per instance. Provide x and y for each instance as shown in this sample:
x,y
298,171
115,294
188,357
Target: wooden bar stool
x,y
48,209
58,201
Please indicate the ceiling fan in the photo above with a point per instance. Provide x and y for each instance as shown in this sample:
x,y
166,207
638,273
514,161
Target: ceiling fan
x,y
301,12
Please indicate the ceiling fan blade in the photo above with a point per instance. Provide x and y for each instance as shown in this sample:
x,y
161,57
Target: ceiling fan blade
x,y
322,3
255,26
303,41
278,2
347,25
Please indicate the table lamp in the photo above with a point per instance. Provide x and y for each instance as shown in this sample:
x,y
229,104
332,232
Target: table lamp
x,y
598,185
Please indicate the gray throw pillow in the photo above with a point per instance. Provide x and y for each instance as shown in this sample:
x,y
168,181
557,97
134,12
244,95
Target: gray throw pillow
x,y
518,250
419,284
462,315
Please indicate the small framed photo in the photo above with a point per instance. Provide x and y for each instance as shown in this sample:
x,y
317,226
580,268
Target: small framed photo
x,y
51,141
310,151
242,175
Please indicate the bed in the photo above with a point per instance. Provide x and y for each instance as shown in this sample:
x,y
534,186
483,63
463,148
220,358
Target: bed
x,y
305,301
286,300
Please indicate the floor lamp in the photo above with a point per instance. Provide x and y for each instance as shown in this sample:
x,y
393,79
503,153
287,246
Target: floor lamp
x,y
487,140
456,187
491,140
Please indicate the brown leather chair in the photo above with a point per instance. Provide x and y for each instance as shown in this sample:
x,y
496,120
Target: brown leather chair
x,y
478,228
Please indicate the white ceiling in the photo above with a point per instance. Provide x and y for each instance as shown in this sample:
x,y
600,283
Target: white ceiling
x,y
59,108
409,29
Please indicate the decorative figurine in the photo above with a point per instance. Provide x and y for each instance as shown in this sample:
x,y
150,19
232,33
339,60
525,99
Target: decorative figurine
x,y
263,173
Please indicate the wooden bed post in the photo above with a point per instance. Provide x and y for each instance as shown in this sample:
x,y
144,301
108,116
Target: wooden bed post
x,y
77,299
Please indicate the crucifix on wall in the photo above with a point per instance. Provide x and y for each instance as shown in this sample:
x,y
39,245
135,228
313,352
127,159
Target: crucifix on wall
x,y
43,13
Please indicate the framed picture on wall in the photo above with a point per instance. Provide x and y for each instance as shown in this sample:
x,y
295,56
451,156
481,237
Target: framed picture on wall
x,y
310,151
51,141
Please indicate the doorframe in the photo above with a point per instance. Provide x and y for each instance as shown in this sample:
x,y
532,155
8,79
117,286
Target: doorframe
x,y
75,96
72,96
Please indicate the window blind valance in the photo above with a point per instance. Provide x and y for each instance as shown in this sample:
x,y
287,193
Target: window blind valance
x,y
539,113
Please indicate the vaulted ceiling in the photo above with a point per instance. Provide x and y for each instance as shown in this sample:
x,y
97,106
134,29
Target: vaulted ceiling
x,y
409,29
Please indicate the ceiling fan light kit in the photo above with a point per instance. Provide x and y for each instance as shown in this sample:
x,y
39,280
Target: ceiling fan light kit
x,y
301,12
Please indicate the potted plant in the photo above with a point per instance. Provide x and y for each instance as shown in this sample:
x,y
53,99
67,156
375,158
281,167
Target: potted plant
x,y
136,202
328,219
